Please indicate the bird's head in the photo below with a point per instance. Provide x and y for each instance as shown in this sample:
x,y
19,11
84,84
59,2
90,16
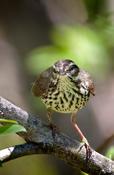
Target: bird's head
x,y
79,77
66,67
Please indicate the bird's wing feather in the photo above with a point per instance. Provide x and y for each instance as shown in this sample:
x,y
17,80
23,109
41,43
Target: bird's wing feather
x,y
84,77
41,85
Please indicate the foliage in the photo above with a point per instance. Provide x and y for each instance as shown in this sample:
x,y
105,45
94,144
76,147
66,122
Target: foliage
x,y
86,45
94,8
110,153
10,127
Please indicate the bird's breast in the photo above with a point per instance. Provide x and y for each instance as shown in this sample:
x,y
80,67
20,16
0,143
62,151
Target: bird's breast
x,y
64,97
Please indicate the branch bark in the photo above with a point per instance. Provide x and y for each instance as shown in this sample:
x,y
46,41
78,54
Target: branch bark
x,y
61,146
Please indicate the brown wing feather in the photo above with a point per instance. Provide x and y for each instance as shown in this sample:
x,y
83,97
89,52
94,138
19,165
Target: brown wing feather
x,y
83,76
40,86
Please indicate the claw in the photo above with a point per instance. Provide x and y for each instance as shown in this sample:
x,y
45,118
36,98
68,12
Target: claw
x,y
54,129
88,149
84,140
88,152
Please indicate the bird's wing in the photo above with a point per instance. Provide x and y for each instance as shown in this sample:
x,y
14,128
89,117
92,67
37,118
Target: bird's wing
x,y
41,85
85,78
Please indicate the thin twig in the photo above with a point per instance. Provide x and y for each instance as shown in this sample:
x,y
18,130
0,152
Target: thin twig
x,y
17,151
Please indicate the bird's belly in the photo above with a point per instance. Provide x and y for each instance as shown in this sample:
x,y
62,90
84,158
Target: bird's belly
x,y
65,102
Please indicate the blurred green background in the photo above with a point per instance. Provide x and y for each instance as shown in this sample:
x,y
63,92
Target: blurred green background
x,y
36,33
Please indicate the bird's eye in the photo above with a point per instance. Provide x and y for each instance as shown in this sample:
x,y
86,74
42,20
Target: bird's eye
x,y
55,70
73,70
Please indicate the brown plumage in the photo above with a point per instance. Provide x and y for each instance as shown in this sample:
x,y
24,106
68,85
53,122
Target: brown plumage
x,y
41,85
64,87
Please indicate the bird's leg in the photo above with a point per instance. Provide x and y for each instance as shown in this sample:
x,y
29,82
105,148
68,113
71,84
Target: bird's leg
x,y
51,125
49,114
81,135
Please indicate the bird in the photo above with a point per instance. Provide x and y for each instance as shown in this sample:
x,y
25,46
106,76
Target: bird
x,y
64,88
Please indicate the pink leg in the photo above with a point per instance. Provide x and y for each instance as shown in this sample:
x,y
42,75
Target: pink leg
x,y
81,135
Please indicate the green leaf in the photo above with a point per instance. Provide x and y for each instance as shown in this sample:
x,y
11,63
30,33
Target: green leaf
x,y
110,153
11,128
8,121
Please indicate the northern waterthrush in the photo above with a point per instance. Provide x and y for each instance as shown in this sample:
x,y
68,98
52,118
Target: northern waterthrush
x,y
64,88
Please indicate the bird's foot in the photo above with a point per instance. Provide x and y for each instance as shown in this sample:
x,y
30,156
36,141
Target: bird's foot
x,y
54,129
87,147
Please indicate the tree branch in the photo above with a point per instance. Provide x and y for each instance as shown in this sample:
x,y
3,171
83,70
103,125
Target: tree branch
x,y
61,146
17,151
